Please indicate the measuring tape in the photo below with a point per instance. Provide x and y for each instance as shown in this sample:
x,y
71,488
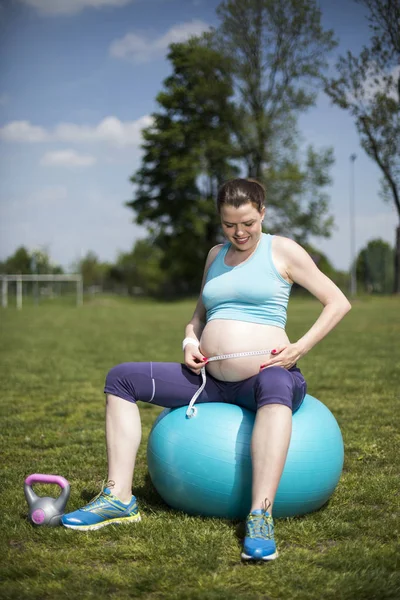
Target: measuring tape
x,y
239,355
192,410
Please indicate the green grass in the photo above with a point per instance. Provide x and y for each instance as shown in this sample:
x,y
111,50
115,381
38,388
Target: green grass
x,y
53,362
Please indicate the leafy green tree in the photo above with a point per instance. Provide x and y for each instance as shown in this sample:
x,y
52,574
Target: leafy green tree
x,y
18,263
93,271
368,87
187,154
278,51
231,105
140,270
41,264
297,205
374,267
24,262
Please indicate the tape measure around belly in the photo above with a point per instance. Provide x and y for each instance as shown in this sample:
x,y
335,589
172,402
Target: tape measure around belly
x,y
191,411
238,355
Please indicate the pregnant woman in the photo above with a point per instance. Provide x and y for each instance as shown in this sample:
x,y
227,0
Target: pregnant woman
x,y
235,350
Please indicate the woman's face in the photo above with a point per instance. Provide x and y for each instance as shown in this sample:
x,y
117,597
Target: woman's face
x,y
242,226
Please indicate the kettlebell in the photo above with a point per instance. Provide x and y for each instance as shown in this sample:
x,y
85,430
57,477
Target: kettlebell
x,y
45,510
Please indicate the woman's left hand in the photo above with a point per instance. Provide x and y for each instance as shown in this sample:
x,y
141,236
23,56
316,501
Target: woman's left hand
x,y
283,356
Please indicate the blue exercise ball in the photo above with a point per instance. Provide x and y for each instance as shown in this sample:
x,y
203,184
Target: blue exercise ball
x,y
202,465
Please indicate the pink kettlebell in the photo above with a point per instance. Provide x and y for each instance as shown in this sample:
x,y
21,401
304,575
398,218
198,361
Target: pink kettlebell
x,y
45,510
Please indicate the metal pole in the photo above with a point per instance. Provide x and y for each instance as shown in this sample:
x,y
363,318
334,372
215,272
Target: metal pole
x,y
353,260
19,294
4,292
36,291
79,291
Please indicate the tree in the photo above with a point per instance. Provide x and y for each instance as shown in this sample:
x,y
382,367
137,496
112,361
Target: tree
x,y
140,270
278,52
41,263
374,267
19,263
297,206
93,271
368,87
24,262
187,154
223,110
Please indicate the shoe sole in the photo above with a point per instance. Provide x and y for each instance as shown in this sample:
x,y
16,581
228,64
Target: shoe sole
x,y
264,558
127,520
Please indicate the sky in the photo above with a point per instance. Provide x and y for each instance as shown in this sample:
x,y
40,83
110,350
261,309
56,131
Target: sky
x,y
78,82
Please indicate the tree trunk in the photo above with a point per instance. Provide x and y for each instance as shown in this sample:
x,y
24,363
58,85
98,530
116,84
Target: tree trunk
x,y
396,287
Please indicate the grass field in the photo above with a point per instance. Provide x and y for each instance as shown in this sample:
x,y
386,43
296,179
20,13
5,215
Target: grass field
x,y
53,362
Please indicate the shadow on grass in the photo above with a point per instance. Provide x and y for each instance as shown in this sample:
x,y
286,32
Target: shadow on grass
x,y
240,529
147,496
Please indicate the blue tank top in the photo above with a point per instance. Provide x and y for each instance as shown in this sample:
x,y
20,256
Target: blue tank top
x,y
253,291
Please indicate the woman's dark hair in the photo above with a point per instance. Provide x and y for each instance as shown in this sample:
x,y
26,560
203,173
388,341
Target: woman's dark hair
x,y
237,192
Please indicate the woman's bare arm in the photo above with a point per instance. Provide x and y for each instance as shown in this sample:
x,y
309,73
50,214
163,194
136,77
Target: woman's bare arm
x,y
194,359
301,269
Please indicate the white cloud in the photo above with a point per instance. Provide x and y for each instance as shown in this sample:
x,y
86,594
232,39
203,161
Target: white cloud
x,y
140,48
23,131
67,158
70,7
110,131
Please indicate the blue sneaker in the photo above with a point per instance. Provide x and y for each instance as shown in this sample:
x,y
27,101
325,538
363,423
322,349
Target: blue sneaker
x,y
104,509
259,543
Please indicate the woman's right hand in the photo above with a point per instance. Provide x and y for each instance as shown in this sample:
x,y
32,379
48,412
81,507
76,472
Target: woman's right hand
x,y
194,359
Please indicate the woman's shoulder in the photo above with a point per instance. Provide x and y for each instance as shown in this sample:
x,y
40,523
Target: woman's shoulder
x,y
285,245
287,254
215,250
293,258
212,255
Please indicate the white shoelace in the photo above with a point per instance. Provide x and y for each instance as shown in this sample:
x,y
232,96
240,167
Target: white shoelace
x,y
192,410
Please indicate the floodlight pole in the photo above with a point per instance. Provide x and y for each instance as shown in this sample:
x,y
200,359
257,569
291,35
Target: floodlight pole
x,y
353,260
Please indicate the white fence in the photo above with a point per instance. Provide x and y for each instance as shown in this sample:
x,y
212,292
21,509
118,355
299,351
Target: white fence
x,y
19,279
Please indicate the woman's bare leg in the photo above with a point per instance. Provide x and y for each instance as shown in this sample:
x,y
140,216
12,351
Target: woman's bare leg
x,y
123,435
269,447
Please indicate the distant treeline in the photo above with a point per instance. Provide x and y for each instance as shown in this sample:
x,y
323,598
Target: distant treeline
x,y
141,271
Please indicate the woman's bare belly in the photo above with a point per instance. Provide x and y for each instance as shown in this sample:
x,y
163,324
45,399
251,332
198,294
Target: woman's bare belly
x,y
222,336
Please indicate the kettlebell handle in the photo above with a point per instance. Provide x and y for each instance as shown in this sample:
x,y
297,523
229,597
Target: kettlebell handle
x,y
40,478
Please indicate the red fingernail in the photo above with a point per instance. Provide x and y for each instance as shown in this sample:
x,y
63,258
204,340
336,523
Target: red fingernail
x,y
205,359
273,351
262,366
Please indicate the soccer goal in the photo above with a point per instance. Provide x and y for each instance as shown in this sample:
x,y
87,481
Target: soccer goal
x,y
51,289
